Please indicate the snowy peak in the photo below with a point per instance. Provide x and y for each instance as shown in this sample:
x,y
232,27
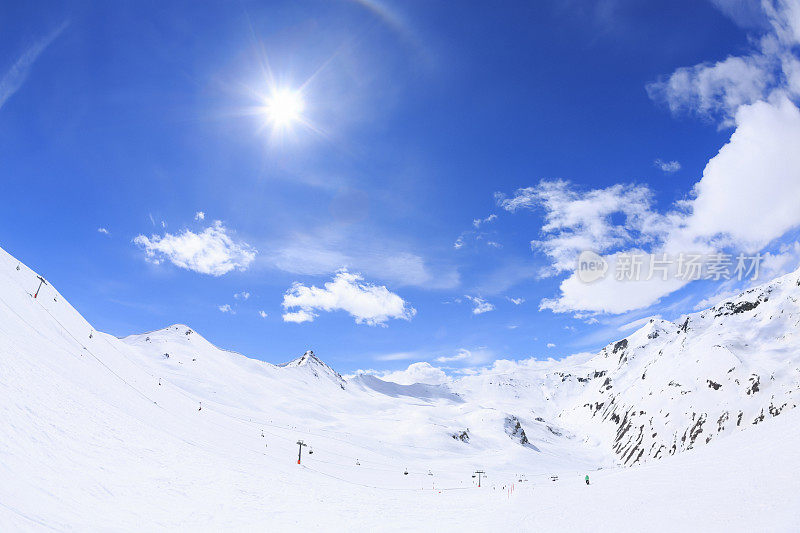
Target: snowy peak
x,y
671,386
316,366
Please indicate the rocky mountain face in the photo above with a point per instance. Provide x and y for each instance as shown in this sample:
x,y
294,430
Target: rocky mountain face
x,y
672,386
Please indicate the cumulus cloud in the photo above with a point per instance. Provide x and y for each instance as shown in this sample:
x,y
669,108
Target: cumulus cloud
x,y
746,198
244,295
262,314
211,251
667,166
750,191
551,345
226,308
367,303
298,317
480,305
199,216
18,73
415,373
516,301
104,231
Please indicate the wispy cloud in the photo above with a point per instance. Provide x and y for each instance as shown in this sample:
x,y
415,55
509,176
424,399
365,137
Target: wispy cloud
x,y
667,166
18,73
480,305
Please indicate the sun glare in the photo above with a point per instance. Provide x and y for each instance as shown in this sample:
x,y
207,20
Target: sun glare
x,y
284,108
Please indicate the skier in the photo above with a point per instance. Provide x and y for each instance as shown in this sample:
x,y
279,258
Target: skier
x,y
587,479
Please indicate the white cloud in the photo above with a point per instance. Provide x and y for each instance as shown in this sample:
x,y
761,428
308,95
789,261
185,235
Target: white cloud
x,y
475,356
459,242
244,295
494,244
667,166
368,304
18,73
226,308
582,220
480,305
551,345
461,355
516,301
211,251
298,317
714,89
199,216
750,191
104,231
262,314
415,373
720,89
746,198
480,221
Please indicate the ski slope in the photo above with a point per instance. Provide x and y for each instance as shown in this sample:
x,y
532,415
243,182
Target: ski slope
x,y
166,431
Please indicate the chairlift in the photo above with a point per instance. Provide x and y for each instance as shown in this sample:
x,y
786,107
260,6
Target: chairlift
x,y
430,473
405,473
357,463
310,451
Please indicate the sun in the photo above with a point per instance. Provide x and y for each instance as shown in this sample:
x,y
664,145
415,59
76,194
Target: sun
x,y
284,108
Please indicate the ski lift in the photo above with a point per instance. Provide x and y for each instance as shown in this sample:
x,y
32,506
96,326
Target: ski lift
x,y
430,473
553,478
262,432
405,473
357,463
310,451
473,475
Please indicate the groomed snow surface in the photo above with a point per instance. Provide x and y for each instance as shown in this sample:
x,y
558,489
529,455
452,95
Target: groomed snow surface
x,y
165,431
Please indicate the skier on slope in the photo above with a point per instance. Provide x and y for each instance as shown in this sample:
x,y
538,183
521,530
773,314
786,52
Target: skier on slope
x,y
587,479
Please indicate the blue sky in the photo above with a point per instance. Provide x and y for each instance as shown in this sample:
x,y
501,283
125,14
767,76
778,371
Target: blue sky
x,y
434,144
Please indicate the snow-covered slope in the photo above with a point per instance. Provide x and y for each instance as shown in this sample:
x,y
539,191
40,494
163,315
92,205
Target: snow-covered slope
x,y
165,430
671,386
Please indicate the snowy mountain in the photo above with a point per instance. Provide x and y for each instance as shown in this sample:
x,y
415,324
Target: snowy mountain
x,y
166,430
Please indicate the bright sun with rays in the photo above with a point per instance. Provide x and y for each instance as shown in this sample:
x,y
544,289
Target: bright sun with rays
x,y
284,108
